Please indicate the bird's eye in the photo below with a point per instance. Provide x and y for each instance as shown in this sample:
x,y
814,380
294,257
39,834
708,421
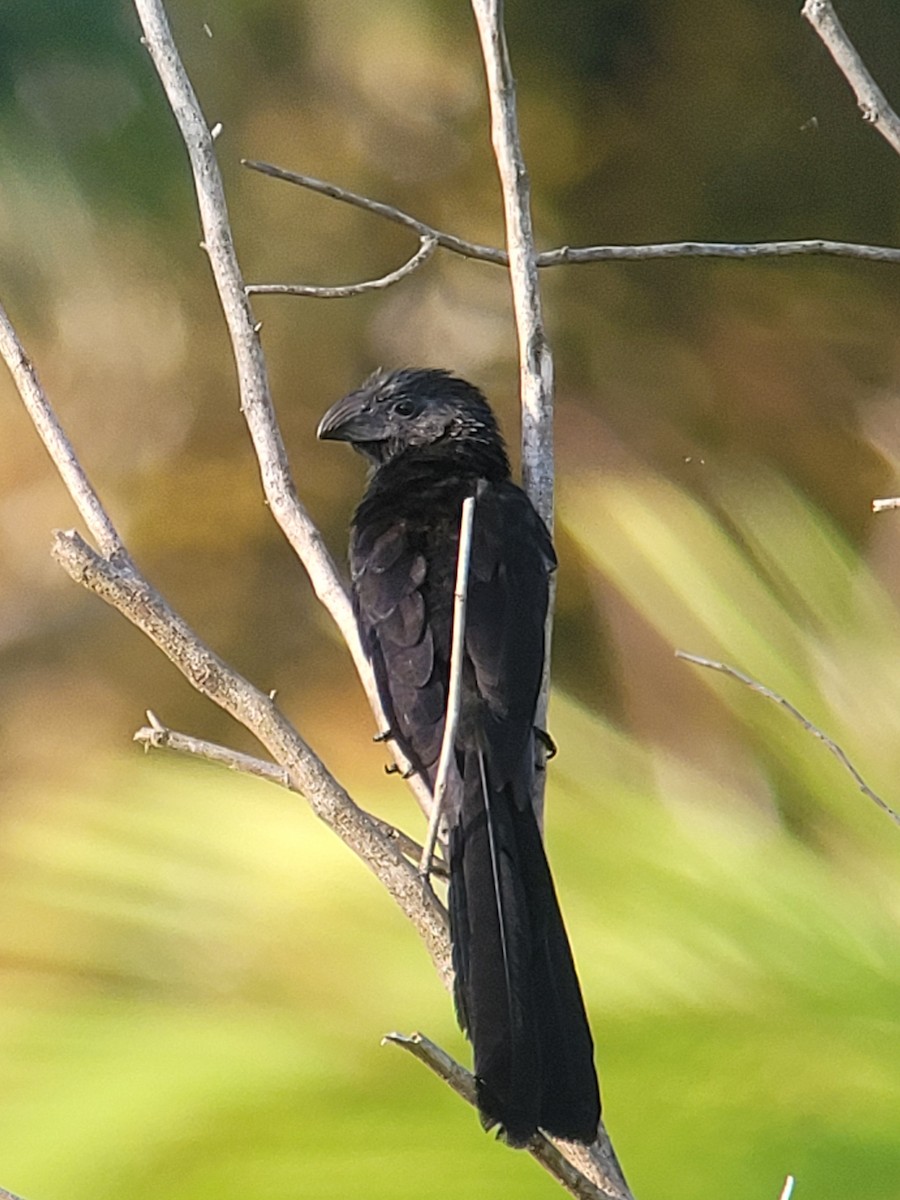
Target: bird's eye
x,y
404,408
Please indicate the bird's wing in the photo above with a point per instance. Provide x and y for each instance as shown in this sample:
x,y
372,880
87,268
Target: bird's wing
x,y
512,557
401,637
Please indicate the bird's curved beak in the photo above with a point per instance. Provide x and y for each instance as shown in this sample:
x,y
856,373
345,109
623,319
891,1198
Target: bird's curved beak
x,y
352,420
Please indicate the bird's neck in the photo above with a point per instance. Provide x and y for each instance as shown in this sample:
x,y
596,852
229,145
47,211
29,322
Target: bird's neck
x,y
443,463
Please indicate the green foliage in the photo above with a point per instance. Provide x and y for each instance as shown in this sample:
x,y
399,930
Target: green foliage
x,y
199,976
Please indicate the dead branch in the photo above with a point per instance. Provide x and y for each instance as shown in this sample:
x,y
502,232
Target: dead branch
x,y
427,247
869,96
57,444
157,736
535,359
574,255
128,592
828,742
243,328
454,688
546,1152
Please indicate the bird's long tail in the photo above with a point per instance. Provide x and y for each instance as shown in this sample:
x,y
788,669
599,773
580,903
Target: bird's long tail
x,y
517,994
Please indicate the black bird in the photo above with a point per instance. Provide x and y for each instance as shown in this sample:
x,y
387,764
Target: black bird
x,y
432,440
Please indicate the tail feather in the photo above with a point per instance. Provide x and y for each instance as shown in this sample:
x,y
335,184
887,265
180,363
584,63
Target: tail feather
x,y
517,994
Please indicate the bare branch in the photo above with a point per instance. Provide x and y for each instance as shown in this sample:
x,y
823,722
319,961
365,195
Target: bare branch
x,y
540,1147
567,255
156,736
380,209
535,359
869,96
831,745
575,255
427,247
136,599
788,1190
58,446
256,400
454,689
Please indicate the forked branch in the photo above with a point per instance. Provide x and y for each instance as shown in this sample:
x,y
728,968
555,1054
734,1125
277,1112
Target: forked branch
x,y
562,256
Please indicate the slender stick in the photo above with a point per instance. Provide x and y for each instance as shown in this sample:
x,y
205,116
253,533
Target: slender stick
x,y
157,736
58,446
535,359
571,255
427,247
256,400
831,745
869,96
540,1147
136,599
788,1189
446,762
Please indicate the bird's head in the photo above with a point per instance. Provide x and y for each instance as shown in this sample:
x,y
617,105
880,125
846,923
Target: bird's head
x,y
428,412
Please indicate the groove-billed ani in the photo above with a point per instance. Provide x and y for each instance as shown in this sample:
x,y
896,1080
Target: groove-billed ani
x,y
433,441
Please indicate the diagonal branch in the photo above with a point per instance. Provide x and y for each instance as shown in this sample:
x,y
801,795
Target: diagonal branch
x,y
540,1147
57,444
157,736
128,592
573,255
869,96
454,689
256,401
795,712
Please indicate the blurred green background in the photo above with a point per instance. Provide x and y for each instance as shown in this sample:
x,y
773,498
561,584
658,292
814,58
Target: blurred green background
x,y
194,976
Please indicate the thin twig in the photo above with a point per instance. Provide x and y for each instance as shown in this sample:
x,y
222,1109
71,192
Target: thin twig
x,y
447,758
427,247
831,745
573,255
256,400
134,597
869,96
380,209
788,1190
157,736
568,255
57,444
540,1147
885,504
